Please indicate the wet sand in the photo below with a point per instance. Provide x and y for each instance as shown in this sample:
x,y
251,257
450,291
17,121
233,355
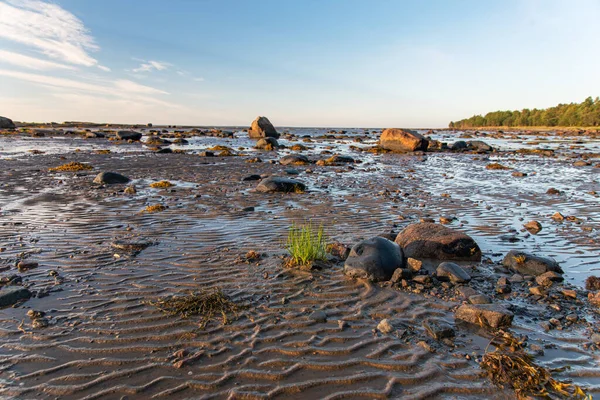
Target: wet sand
x,y
105,341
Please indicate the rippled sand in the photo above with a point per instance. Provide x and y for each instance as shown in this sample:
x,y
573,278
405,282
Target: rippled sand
x,y
105,341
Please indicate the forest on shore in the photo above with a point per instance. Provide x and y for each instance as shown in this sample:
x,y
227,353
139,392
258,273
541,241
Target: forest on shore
x,y
584,114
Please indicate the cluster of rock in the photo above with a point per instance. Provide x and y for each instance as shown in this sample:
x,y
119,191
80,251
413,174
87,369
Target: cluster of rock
x,y
407,141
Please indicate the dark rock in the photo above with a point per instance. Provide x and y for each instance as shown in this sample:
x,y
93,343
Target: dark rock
x,y
485,315
375,259
438,329
277,184
294,159
434,241
480,146
6,123
400,274
459,145
94,135
318,316
110,178
528,264
466,291
165,150
251,178
129,135
452,272
207,154
12,295
402,140
262,127
480,299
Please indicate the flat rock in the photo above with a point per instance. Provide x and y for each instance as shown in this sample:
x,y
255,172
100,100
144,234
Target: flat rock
x,y
278,184
294,159
480,299
485,315
374,259
129,135
11,295
110,178
402,140
529,264
452,272
427,240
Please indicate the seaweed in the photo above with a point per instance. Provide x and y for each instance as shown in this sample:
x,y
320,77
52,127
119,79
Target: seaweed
x,y
306,244
496,166
161,184
155,208
72,167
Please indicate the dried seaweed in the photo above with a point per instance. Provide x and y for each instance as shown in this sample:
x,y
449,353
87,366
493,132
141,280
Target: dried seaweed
x,y
161,185
72,167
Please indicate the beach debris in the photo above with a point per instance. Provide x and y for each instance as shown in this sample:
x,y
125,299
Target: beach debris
x,y
385,326
155,208
496,166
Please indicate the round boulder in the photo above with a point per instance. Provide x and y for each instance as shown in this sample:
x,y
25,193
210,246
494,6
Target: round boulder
x,y
278,184
129,135
110,178
294,159
426,240
402,140
6,123
374,259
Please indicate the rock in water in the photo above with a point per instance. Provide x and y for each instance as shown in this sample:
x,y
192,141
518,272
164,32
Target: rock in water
x,y
485,315
529,264
402,140
6,123
294,159
262,127
452,272
11,295
480,146
129,135
375,259
110,178
434,241
267,143
277,184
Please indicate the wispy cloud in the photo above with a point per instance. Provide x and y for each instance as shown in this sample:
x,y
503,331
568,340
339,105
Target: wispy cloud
x,y
49,29
22,60
148,66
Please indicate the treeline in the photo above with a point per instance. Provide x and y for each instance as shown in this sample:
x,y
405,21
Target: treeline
x,y
586,113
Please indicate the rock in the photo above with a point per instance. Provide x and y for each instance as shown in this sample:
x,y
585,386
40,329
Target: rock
x,y
533,227
11,295
130,190
110,178
6,123
206,154
485,315
466,291
548,278
94,135
528,264
438,329
558,216
402,140
459,145
267,143
248,178
592,283
569,293
292,171
318,316
422,279
434,241
595,338
262,127
130,246
27,265
400,274
553,191
40,323
480,146
519,174
414,264
278,184
129,135
480,299
537,291
165,150
452,272
385,327
374,259
294,159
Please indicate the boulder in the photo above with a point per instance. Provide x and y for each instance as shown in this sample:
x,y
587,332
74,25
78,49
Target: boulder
x,y
402,140
438,329
278,184
6,123
11,295
480,146
374,259
94,135
129,135
433,241
262,127
529,264
294,159
459,145
110,178
452,272
485,315
267,143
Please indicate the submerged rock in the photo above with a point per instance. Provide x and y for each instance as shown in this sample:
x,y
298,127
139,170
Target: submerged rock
x,y
374,259
11,295
402,140
277,184
434,241
129,135
262,127
110,178
529,264
480,146
485,315
6,123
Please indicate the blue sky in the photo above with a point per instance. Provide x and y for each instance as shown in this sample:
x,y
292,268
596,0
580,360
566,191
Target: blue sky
x,y
338,63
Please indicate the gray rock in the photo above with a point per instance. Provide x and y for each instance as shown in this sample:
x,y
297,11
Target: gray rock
x,y
11,295
278,184
529,264
459,145
438,329
110,178
480,299
318,316
262,127
294,159
485,315
129,135
6,123
427,240
481,146
374,259
452,272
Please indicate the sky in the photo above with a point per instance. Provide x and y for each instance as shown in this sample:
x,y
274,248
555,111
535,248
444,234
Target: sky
x,y
328,63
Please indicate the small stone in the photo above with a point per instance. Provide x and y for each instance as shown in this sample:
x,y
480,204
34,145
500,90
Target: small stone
x,y
558,216
596,338
27,265
480,299
33,314
422,279
548,278
318,316
516,278
537,291
39,323
569,293
385,327
485,315
130,190
414,264
342,324
438,329
401,274
533,227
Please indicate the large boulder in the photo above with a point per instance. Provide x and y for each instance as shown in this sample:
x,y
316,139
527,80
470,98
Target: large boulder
x,y
278,184
262,127
129,135
267,143
6,123
485,315
529,264
110,178
375,259
428,240
402,140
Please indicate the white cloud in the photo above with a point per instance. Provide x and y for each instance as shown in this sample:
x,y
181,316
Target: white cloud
x,y
148,66
103,68
49,29
132,87
200,79
22,60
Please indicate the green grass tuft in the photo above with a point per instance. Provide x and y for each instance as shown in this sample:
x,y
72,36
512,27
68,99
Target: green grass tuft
x,y
306,244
